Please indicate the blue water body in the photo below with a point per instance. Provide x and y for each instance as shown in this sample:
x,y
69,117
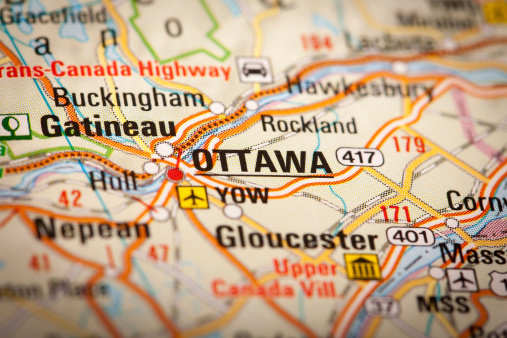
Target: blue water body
x,y
35,6
431,318
114,308
478,77
232,6
28,181
23,25
320,21
74,30
215,334
14,43
430,255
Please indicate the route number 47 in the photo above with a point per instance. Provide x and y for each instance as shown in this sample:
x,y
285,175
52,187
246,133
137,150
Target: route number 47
x,y
360,157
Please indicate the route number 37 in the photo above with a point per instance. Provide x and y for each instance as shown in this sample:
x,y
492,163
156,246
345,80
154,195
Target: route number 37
x,y
382,307
360,157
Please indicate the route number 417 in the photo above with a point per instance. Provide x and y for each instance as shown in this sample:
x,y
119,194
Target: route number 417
x,y
360,157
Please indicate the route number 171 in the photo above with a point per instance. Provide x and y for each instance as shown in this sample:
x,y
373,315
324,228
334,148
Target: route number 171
x,y
360,157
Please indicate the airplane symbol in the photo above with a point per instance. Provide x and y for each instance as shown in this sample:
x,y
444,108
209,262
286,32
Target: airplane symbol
x,y
193,197
463,281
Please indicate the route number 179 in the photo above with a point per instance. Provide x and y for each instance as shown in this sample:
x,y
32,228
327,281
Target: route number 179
x,y
360,157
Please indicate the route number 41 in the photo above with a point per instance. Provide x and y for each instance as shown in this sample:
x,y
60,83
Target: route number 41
x,y
360,157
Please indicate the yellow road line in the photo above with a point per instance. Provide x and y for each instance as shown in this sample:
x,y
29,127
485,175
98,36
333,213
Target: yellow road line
x,y
260,228
122,38
466,34
429,31
403,192
450,157
52,317
218,323
116,109
448,326
258,34
5,60
394,29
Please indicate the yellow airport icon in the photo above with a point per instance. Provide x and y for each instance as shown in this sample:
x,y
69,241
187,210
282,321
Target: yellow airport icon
x,y
362,266
193,197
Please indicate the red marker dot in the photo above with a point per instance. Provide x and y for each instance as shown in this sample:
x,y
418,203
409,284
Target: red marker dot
x,y
174,174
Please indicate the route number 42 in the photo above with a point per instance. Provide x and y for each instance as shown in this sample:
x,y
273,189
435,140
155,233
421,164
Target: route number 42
x,y
360,157
76,195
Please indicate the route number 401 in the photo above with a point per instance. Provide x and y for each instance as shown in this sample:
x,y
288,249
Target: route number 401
x,y
360,157
408,236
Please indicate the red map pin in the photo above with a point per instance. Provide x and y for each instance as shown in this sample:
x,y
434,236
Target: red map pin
x,y
175,174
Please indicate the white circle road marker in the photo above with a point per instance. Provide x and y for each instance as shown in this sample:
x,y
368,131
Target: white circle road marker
x,y
164,149
233,211
452,223
487,30
160,214
449,44
111,272
251,105
151,168
399,67
217,108
437,272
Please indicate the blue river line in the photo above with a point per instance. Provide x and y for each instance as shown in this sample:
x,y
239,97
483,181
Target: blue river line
x,y
429,256
479,77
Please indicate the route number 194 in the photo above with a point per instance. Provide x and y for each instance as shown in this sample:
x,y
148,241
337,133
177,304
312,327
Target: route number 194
x,y
360,157
408,236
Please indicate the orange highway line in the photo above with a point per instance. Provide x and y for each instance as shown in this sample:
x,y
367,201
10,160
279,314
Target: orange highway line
x,y
308,69
68,155
98,311
483,313
124,277
249,275
8,218
338,320
70,109
356,294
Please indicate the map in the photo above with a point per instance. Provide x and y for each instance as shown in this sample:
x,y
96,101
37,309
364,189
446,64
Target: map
x,y
253,168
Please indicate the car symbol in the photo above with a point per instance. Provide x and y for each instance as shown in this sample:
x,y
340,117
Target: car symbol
x,y
254,68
